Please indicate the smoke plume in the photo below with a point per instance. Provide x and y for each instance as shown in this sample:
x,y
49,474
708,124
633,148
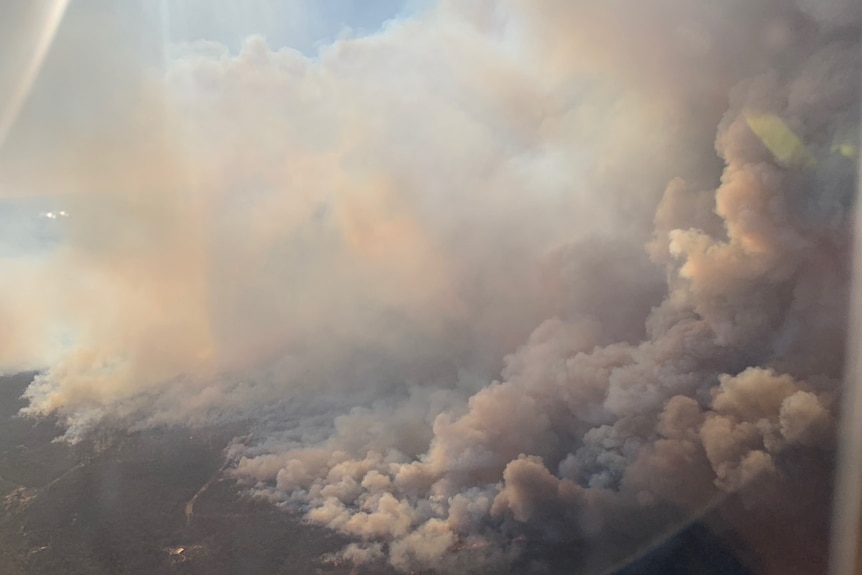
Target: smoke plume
x,y
500,272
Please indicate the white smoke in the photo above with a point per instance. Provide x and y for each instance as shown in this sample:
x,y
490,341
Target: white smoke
x,y
417,261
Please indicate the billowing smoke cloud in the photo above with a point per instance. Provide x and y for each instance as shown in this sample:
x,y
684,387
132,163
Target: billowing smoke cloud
x,y
503,271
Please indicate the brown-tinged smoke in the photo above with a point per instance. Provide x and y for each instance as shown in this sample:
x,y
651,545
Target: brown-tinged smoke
x,y
502,272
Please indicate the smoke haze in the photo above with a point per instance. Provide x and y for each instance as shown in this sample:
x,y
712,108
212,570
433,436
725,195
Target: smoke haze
x,y
499,272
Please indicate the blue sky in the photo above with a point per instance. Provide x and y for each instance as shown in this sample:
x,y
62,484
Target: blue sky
x,y
300,24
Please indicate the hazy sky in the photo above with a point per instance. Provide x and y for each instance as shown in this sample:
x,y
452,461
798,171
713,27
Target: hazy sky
x,y
495,270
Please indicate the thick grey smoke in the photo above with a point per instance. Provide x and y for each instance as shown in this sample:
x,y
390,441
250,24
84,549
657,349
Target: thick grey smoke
x,y
739,366
503,271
